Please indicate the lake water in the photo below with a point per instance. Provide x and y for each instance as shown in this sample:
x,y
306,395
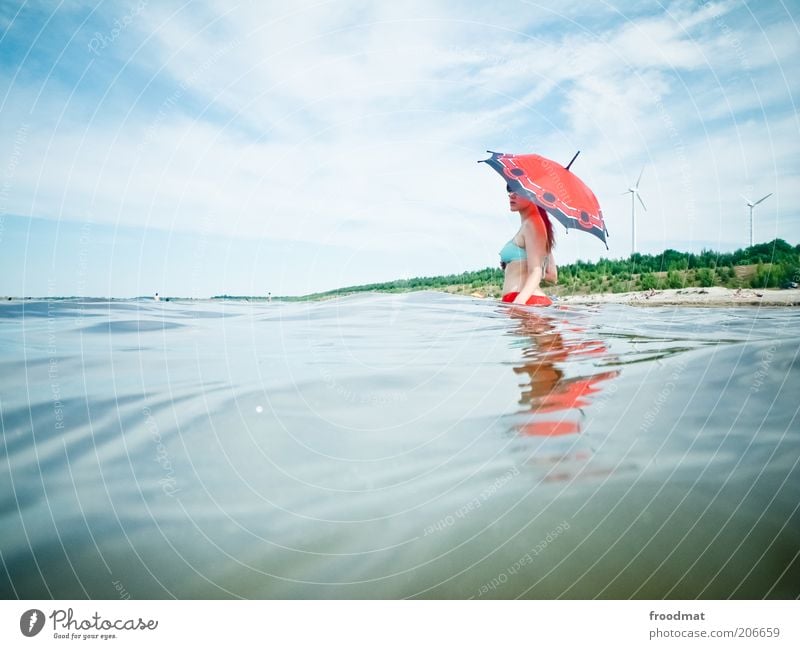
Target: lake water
x,y
397,446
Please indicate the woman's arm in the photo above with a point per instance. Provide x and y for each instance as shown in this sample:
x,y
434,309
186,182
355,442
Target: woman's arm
x,y
535,247
532,283
551,272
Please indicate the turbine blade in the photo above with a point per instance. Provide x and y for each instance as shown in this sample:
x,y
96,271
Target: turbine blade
x,y
745,199
627,192
762,199
640,177
641,201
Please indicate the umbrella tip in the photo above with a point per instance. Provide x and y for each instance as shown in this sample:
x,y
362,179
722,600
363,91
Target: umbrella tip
x,y
573,160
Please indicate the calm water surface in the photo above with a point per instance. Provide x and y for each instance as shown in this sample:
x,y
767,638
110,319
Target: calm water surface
x,y
416,445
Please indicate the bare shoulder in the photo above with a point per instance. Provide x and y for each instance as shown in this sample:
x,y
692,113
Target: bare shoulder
x,y
535,235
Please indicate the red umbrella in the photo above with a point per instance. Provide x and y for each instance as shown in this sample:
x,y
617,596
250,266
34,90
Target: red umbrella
x,y
554,188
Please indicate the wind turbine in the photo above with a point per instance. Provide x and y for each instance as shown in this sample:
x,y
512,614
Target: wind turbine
x,y
751,205
634,192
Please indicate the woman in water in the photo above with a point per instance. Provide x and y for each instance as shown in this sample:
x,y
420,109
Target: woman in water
x,y
528,257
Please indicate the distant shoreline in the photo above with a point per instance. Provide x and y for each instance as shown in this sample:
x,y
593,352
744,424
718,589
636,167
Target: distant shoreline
x,y
713,296
749,276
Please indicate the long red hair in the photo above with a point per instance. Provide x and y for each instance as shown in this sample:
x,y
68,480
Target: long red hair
x,y
548,226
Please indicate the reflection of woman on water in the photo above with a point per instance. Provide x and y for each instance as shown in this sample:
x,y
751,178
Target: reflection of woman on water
x,y
546,391
528,257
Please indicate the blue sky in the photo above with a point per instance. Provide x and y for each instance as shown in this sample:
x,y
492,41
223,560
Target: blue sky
x,y
224,147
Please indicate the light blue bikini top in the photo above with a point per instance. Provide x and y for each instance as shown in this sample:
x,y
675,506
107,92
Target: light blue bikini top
x,y
512,252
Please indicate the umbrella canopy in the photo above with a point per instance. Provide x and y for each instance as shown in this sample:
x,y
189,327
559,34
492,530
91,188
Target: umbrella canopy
x,y
554,188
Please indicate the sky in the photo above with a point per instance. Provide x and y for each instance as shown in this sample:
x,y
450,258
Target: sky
x,y
196,149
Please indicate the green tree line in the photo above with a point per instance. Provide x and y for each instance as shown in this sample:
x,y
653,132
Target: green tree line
x,y
766,265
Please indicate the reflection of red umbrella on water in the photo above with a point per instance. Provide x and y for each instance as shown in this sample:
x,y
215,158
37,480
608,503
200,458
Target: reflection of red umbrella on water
x,y
563,397
553,187
570,394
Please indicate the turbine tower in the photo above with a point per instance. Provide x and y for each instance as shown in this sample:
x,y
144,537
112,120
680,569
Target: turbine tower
x,y
751,205
634,192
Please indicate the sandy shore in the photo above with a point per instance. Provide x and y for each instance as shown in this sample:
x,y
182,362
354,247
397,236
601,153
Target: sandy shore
x,y
712,296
